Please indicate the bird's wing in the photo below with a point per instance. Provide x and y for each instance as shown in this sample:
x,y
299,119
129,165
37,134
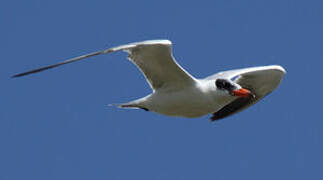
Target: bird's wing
x,y
154,58
259,80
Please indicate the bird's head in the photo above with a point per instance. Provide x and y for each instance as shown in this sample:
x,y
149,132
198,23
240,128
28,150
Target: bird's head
x,y
233,89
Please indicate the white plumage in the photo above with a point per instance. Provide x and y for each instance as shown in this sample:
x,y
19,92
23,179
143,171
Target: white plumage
x,y
177,93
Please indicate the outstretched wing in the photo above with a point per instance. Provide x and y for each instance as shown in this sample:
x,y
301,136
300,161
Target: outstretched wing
x,y
259,80
154,58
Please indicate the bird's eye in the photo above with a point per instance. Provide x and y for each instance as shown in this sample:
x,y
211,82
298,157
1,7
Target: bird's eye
x,y
227,85
220,83
223,84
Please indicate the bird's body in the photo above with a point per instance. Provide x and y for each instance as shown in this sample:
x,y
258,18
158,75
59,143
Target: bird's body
x,y
177,93
195,101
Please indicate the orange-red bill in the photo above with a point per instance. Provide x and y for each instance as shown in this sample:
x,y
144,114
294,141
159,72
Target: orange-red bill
x,y
242,92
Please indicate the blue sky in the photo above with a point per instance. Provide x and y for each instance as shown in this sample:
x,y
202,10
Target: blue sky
x,y
56,125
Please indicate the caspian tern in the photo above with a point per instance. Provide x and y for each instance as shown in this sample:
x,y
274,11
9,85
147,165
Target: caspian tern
x,y
177,93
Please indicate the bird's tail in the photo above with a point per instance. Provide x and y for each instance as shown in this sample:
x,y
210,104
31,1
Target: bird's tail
x,y
125,105
131,105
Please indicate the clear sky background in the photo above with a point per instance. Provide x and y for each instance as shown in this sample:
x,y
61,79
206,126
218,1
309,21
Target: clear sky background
x,y
56,125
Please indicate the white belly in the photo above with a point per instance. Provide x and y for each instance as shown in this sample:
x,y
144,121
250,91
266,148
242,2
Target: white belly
x,y
192,103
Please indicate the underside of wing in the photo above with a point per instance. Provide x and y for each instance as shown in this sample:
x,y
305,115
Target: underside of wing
x,y
232,108
155,60
259,80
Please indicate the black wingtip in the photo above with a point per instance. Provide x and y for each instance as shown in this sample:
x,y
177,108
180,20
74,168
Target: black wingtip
x,y
62,63
15,76
37,70
18,75
21,74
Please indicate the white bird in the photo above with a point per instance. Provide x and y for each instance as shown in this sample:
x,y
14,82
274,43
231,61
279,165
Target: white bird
x,y
177,93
